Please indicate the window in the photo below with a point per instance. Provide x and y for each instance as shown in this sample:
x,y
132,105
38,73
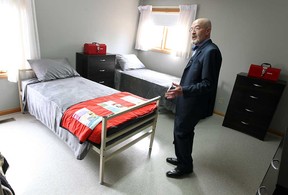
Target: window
x,y
165,39
18,36
3,73
166,29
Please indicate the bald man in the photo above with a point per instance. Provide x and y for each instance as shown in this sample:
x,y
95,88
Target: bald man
x,y
195,95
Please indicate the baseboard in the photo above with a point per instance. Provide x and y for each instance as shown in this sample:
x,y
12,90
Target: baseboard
x,y
275,132
219,113
10,111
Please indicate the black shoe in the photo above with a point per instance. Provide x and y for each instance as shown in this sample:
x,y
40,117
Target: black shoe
x,y
172,161
177,173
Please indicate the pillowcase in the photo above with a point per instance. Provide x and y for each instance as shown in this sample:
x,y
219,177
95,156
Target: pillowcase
x,y
129,62
50,69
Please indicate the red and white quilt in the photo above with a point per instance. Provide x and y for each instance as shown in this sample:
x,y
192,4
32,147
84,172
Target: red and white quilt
x,y
84,119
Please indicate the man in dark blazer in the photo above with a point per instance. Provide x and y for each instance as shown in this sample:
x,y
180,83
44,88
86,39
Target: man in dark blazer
x,y
195,95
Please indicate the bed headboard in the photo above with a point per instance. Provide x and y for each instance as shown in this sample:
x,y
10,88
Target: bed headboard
x,y
23,75
26,74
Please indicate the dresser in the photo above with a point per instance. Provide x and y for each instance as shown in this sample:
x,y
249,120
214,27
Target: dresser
x,y
252,105
275,180
98,68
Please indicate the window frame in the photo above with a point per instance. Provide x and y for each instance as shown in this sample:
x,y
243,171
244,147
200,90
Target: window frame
x,y
3,74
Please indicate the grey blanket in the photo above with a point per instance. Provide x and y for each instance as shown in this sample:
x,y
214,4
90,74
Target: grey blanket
x,y
146,83
48,100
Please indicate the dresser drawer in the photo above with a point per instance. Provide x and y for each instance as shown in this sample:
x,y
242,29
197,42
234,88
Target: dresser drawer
x,y
249,118
247,129
251,107
269,182
254,96
107,82
257,117
259,86
105,76
99,71
102,60
245,126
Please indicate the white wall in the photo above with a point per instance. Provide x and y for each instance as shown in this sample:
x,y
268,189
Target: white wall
x,y
64,26
9,95
246,32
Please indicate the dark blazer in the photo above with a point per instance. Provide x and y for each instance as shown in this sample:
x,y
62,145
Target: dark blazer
x,y
199,83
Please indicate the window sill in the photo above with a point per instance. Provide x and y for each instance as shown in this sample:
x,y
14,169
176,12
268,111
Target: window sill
x,y
3,75
161,51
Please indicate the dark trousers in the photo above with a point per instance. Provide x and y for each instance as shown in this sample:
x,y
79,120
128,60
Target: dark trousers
x,y
183,142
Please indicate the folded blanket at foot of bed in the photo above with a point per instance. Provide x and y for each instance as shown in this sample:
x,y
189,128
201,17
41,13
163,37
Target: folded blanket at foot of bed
x,y
84,119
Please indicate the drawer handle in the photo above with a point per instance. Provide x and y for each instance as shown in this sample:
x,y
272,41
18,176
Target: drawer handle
x,y
273,165
102,60
248,110
101,82
257,85
244,123
261,188
102,70
253,97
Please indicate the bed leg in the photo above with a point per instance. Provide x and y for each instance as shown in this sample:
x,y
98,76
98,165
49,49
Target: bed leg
x,y
101,170
103,149
151,140
152,135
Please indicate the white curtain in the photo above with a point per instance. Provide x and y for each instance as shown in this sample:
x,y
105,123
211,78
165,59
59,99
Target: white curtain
x,y
144,33
18,36
186,16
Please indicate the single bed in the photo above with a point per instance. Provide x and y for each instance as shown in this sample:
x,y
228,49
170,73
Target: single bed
x,y
132,75
52,87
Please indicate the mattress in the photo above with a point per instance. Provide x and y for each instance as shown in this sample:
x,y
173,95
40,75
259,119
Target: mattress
x,y
146,83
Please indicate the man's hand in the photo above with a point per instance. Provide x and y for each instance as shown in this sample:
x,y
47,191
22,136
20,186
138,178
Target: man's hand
x,y
174,91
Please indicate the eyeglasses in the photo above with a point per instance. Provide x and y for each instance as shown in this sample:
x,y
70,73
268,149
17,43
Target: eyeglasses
x,y
196,28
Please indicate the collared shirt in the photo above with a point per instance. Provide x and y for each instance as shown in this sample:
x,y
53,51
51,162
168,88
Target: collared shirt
x,y
195,47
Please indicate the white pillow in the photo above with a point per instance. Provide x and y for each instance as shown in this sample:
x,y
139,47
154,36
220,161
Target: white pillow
x,y
129,62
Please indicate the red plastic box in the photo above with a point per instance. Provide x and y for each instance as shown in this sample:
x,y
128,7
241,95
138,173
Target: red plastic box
x,y
95,48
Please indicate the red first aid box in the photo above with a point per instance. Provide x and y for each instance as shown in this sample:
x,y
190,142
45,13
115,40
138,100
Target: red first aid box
x,y
264,71
95,48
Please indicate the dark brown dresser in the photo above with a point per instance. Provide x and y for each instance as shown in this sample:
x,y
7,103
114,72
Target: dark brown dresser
x,y
98,68
252,105
275,180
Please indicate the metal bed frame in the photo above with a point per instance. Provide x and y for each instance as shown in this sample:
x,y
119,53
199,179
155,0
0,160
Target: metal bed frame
x,y
143,128
119,141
